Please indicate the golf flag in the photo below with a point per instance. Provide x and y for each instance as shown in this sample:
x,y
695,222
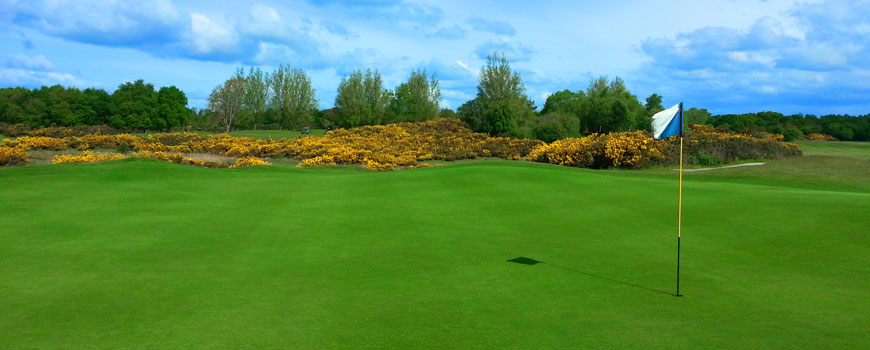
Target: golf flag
x,y
668,122
665,124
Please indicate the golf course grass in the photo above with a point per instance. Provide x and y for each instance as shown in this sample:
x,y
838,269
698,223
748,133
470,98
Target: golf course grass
x,y
848,149
140,253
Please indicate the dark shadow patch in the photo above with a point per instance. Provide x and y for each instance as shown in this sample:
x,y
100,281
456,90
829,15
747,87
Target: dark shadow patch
x,y
524,260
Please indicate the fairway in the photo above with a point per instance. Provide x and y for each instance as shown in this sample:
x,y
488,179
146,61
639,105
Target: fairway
x,y
144,254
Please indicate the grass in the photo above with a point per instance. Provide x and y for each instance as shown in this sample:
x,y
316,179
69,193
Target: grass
x,y
140,253
847,149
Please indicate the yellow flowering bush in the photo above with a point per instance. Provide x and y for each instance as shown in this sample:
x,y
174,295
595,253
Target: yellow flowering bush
x,y
636,149
13,156
620,150
37,142
86,157
821,137
249,161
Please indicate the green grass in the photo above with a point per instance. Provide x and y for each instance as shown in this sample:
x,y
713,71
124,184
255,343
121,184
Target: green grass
x,y
145,254
847,149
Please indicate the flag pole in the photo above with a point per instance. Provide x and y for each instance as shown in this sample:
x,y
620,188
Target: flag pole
x,y
680,203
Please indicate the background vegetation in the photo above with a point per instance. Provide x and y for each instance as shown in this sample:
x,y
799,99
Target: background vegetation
x,y
285,99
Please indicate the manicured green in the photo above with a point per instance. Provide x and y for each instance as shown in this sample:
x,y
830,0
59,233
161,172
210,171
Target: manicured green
x,y
144,254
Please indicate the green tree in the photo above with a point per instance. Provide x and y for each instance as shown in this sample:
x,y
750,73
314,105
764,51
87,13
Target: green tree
x,y
171,108
133,105
94,106
293,97
501,106
696,116
418,99
256,95
653,104
564,102
554,126
226,100
610,107
361,99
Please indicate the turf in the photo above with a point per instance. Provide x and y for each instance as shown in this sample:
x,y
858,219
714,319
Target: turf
x,y
847,149
145,254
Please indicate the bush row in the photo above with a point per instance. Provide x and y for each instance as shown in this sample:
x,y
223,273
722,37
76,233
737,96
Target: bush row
x,y
702,145
410,145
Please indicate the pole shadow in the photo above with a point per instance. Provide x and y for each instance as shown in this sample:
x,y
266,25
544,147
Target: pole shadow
x,y
529,261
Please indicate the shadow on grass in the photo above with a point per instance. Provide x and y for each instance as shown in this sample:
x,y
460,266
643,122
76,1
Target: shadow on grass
x,y
529,261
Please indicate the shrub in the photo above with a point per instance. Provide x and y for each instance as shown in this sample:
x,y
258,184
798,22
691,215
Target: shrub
x,y
86,157
821,137
13,156
39,142
552,127
249,161
705,159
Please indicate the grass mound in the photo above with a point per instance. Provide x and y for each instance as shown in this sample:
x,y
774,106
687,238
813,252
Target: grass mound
x,y
141,253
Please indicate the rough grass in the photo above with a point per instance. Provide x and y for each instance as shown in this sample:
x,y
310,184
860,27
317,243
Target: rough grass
x,y
847,149
145,254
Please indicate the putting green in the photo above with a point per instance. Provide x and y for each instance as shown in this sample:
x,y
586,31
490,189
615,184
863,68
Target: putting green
x,y
145,254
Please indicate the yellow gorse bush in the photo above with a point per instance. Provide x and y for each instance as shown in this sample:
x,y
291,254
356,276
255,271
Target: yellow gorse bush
x,y
408,145
13,156
86,157
26,143
249,161
621,150
821,137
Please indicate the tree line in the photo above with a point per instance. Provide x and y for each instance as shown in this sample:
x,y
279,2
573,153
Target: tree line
x,y
134,105
285,99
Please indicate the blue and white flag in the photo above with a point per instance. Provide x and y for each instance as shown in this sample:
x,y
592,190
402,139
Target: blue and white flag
x,y
668,122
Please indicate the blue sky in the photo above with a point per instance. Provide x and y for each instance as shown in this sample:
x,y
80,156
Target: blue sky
x,y
729,56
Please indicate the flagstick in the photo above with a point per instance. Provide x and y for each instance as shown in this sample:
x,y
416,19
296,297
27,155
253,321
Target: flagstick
x,y
679,215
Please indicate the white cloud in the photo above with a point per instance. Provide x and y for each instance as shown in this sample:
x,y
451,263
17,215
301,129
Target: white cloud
x,y
31,78
113,23
36,62
207,36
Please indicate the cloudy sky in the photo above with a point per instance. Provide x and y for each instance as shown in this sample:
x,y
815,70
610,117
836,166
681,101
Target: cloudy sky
x,y
728,56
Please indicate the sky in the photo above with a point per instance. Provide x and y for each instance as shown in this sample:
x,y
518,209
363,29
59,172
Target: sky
x,y
728,56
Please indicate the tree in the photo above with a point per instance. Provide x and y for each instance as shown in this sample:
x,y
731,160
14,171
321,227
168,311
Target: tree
x,y
293,98
501,106
134,105
653,104
171,108
226,101
554,126
361,99
564,102
696,116
257,94
610,107
418,99
93,106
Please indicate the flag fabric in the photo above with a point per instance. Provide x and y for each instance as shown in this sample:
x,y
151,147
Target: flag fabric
x,y
668,122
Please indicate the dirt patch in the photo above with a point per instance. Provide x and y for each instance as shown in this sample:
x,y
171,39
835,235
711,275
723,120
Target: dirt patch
x,y
209,157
